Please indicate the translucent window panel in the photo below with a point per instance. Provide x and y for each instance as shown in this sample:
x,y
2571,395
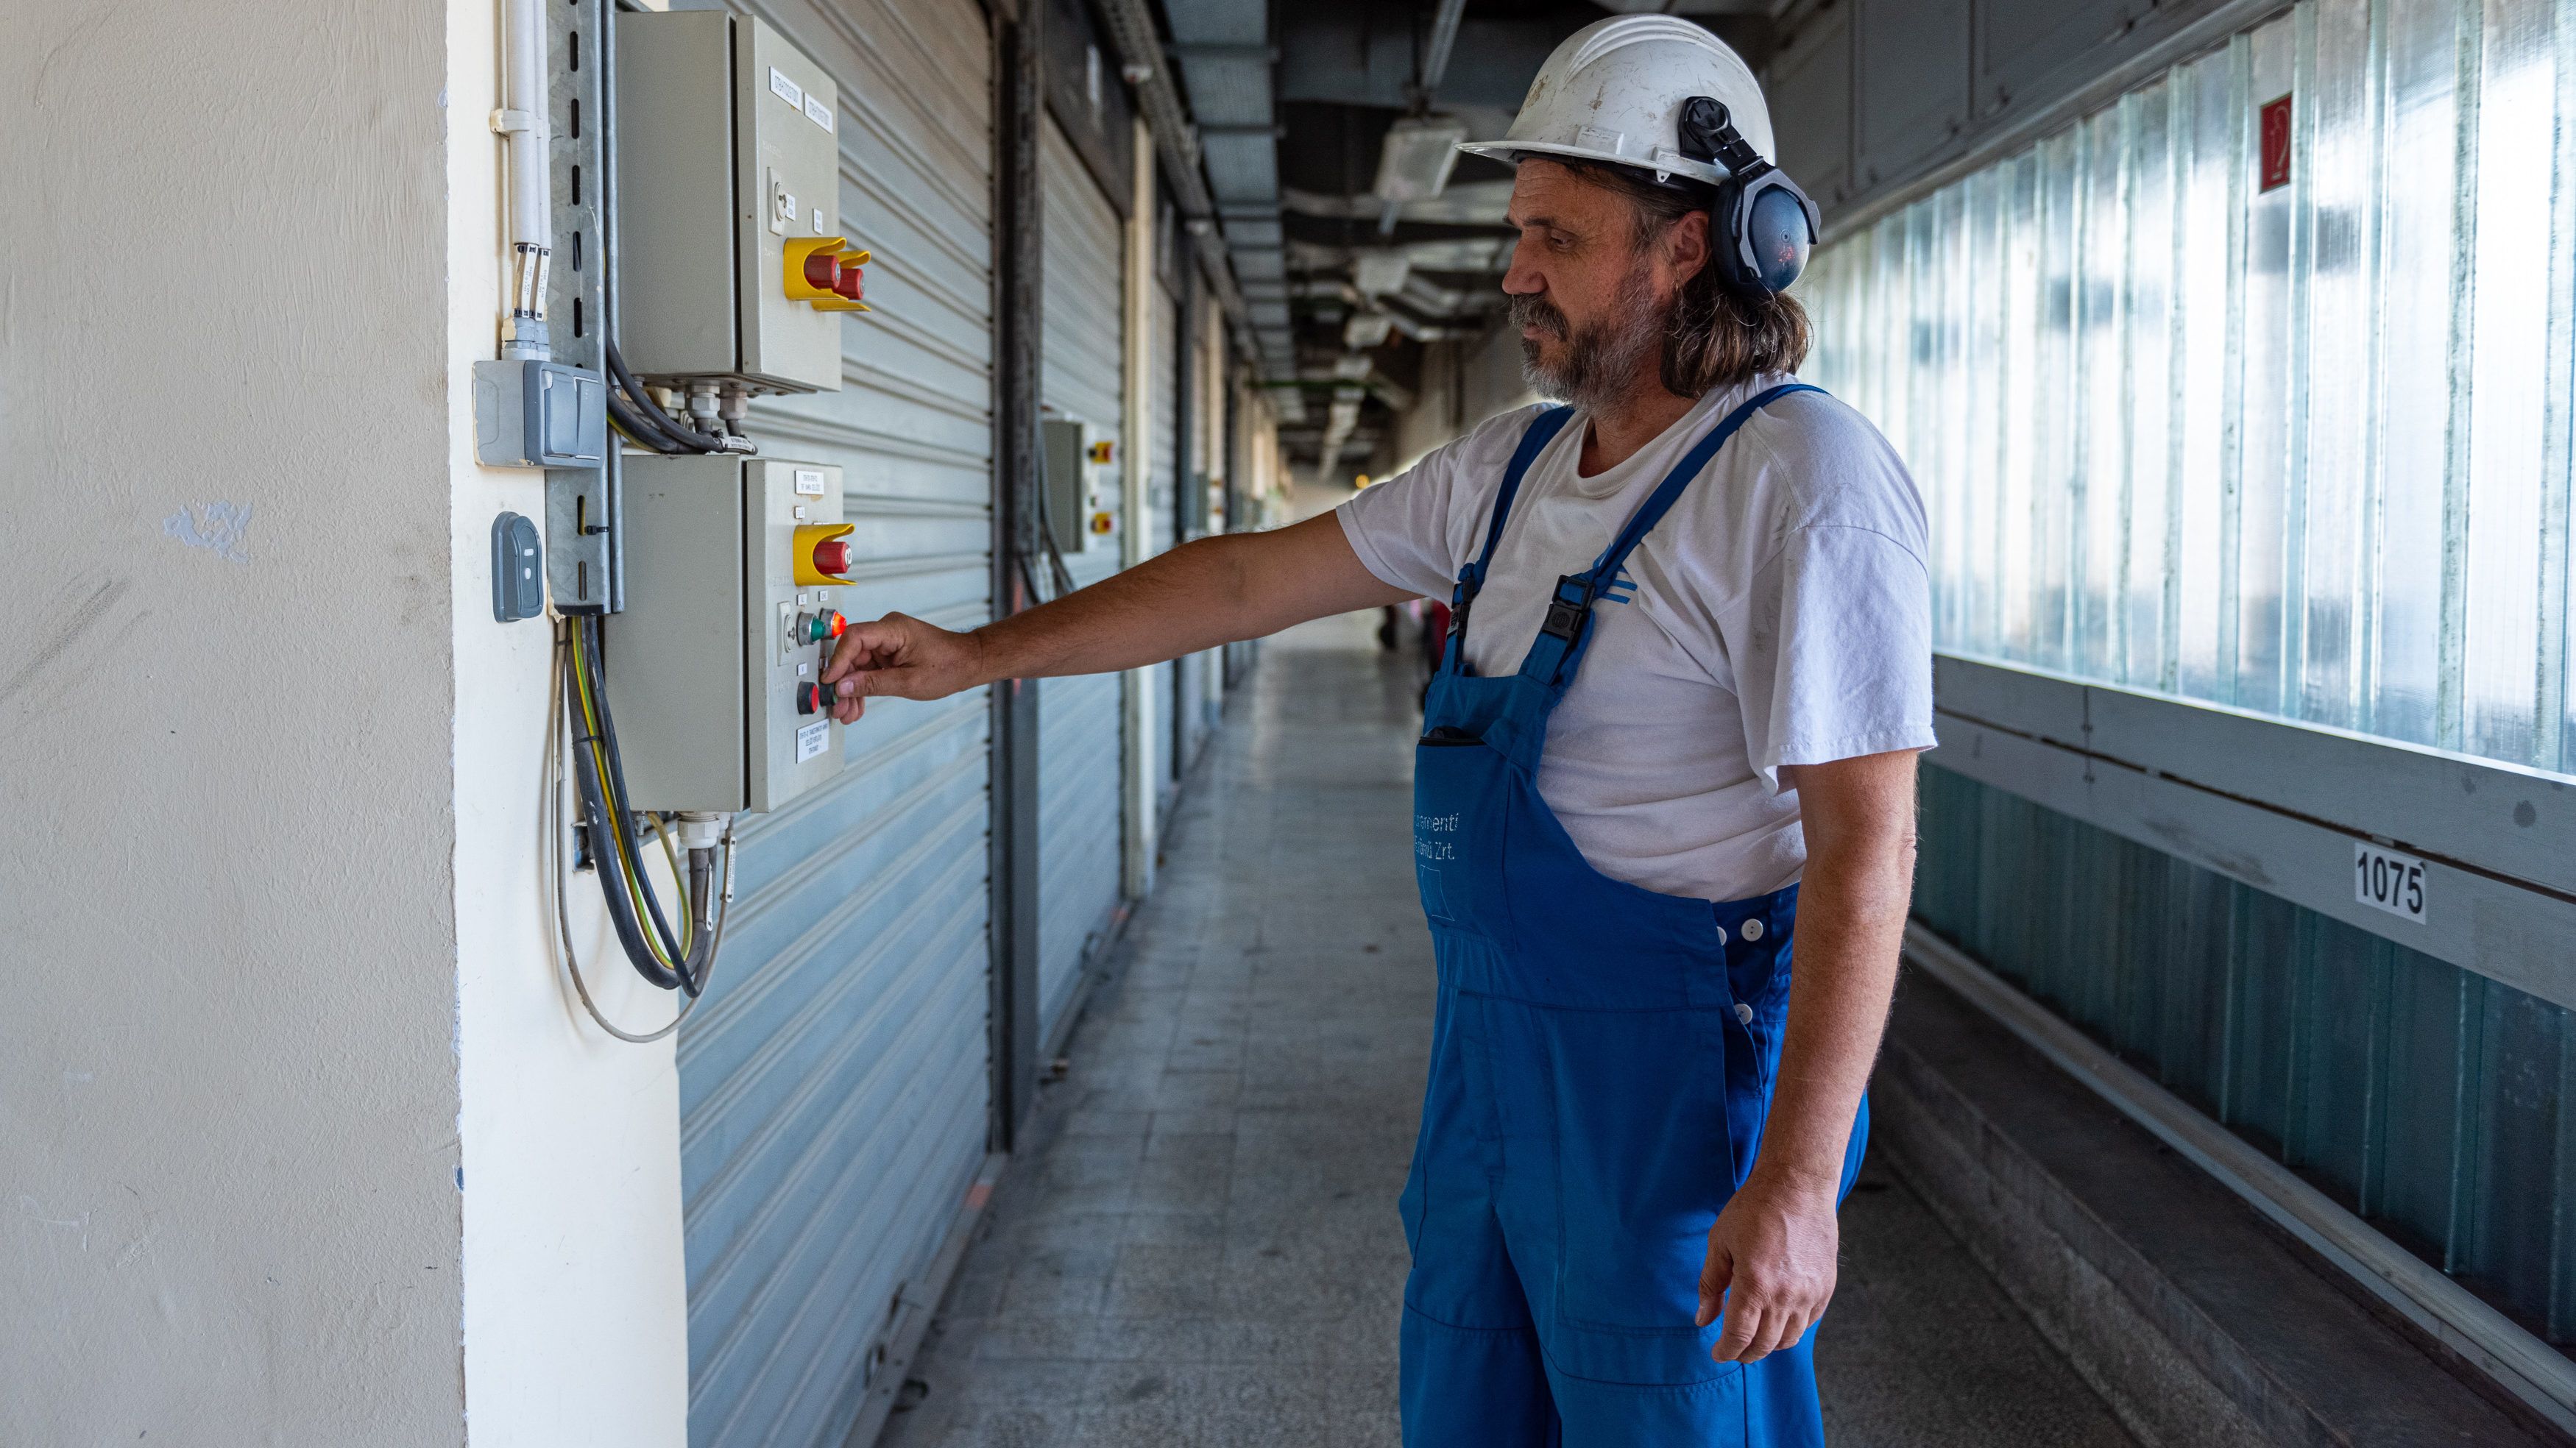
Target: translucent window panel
x,y
2421,142
2341,226
1981,482
2020,538
2102,415
2208,108
2148,595
2266,366
2497,576
2052,422
2304,449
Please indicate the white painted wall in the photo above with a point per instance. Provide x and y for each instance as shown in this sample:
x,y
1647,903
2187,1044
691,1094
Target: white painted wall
x,y
575,1311
1463,383
228,1086
300,1141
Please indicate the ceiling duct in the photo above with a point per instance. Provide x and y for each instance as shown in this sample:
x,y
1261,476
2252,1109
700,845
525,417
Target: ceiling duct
x,y
1417,157
1376,273
1225,56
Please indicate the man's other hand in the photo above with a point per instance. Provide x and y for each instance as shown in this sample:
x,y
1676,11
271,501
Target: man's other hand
x,y
1772,1261
900,657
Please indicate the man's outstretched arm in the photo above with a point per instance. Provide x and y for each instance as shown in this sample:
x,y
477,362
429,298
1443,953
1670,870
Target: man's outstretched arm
x,y
1204,593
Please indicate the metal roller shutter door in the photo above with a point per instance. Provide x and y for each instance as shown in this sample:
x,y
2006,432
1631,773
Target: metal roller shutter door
x,y
833,1083
1082,376
1162,501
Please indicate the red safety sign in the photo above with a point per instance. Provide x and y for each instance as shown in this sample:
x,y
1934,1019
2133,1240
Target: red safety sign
x,y
2276,143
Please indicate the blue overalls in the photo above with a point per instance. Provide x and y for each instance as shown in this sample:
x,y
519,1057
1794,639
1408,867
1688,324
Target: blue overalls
x,y
1601,1064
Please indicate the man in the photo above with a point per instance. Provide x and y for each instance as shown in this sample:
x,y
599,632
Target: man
x,y
1674,731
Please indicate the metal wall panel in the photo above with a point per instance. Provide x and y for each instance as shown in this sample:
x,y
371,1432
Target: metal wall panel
x,y
833,1082
2186,424
1079,825
2432,1102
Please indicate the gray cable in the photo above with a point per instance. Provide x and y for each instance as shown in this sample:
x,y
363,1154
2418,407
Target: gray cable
x,y
551,818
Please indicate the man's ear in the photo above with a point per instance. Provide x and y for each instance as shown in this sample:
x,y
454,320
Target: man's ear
x,y
1686,246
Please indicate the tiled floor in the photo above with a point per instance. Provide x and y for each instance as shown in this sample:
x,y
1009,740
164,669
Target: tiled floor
x,y
1205,1251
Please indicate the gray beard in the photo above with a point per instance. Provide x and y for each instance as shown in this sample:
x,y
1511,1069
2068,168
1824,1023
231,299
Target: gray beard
x,y
1600,361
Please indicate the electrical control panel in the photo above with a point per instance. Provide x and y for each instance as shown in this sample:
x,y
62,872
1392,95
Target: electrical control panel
x,y
1082,485
731,265
734,566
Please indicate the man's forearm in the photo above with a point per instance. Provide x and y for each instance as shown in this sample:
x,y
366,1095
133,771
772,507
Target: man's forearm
x,y
1204,593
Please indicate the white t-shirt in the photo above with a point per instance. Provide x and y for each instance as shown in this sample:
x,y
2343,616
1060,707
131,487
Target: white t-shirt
x,y
1782,614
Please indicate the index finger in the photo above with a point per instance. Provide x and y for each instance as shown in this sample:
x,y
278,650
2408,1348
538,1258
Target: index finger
x,y
861,646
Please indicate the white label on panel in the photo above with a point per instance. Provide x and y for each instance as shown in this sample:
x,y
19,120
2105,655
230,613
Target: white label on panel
x,y
813,739
785,89
819,113
2388,880
809,481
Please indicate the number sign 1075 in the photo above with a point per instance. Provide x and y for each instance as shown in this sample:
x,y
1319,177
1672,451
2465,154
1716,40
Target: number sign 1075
x,y
2388,880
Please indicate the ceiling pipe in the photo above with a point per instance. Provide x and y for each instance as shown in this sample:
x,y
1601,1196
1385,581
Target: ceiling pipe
x,y
1426,82
1140,52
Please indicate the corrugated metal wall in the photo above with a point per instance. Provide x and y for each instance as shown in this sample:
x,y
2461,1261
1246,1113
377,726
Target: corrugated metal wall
x,y
2433,1102
2292,437
2254,386
1079,824
833,1082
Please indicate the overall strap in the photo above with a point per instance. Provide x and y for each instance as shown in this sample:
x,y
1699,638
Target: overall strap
x,y
1542,431
1558,650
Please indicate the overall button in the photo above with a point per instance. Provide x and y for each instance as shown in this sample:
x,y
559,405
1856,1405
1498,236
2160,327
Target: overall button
x,y
1721,935
1743,1013
1753,930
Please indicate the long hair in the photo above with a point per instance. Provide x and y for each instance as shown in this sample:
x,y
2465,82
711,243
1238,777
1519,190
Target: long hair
x,y
1713,337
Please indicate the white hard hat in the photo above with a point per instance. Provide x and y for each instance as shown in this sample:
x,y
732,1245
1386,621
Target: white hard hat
x,y
1613,93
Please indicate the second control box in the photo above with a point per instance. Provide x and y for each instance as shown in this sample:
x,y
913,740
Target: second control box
x,y
732,569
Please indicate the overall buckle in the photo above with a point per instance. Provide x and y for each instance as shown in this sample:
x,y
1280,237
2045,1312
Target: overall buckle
x,y
1565,615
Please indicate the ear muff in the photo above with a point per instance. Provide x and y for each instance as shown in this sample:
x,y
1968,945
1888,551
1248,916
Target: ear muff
x,y
1761,227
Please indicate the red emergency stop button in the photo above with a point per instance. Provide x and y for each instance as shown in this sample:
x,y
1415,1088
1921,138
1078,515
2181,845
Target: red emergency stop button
x,y
850,284
820,554
823,271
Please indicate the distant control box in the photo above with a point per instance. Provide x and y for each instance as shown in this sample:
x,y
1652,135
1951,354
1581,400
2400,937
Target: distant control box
x,y
1081,485
714,669
731,265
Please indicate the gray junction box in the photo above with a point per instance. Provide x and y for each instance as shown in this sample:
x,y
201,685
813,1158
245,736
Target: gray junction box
x,y
706,663
727,151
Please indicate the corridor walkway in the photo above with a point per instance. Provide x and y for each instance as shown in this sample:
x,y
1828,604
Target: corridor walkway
x,y
1205,1249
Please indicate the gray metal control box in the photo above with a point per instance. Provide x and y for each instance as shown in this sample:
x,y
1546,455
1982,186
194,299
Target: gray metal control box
x,y
728,155
1081,485
719,639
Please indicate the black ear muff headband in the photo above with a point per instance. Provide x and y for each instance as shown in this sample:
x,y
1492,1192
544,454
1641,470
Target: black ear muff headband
x,y
1763,226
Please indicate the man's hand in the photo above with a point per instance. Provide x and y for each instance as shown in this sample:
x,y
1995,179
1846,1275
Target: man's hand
x,y
1772,1260
900,657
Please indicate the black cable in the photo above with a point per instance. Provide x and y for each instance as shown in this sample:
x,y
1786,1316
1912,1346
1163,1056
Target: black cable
x,y
638,423
674,436
595,812
617,785
659,427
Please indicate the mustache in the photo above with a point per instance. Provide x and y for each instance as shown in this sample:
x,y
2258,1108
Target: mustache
x,y
1532,310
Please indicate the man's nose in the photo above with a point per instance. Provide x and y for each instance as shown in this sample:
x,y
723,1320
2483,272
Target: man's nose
x,y
1522,279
